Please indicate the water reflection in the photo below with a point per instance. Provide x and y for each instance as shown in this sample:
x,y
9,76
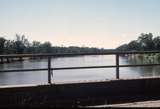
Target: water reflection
x,y
143,71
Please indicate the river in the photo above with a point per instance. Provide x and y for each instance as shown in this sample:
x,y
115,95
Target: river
x,y
67,76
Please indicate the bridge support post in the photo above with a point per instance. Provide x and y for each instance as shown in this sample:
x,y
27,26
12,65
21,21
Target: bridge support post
x,y
117,66
49,70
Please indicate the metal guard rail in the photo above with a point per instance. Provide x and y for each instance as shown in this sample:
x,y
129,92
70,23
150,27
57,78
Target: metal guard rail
x,y
50,69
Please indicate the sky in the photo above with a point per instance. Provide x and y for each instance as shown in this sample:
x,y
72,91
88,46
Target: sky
x,y
93,23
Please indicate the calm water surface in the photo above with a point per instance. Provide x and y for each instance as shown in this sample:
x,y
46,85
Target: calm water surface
x,y
40,77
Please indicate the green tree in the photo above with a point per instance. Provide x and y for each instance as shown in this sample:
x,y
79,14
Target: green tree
x,y
123,47
156,42
20,44
46,47
35,47
10,47
146,41
2,45
134,45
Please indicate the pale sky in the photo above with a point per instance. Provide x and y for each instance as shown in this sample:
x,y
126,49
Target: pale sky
x,y
93,23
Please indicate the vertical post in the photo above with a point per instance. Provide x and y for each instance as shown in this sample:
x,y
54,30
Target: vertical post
x,y
117,66
49,70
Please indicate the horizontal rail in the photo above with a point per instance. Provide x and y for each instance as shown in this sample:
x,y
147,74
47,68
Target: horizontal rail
x,y
110,66
24,70
71,68
77,54
89,67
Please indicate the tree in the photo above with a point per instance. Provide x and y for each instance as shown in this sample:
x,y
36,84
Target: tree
x,y
9,47
46,47
134,45
156,42
123,47
146,41
35,47
20,44
2,45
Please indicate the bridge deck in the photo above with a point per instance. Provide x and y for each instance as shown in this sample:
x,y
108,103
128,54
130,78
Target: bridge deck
x,y
81,94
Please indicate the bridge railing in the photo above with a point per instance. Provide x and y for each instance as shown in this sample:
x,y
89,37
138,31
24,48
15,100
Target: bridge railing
x,y
50,56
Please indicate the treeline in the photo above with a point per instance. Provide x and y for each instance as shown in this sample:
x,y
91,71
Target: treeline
x,y
21,45
145,42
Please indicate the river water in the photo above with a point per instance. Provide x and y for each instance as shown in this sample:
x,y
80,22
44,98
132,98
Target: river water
x,y
67,76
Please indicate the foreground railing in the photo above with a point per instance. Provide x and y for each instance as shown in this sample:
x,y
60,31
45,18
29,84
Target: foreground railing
x,y
50,56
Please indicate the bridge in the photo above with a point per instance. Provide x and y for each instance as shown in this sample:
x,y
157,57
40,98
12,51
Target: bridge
x,y
80,94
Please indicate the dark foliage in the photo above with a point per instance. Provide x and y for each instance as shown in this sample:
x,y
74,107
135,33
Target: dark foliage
x,y
21,45
143,43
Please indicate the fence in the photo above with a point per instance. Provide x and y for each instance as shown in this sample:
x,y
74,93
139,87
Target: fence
x,y
50,56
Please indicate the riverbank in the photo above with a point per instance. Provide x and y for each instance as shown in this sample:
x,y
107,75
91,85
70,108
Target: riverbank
x,y
146,58
10,60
